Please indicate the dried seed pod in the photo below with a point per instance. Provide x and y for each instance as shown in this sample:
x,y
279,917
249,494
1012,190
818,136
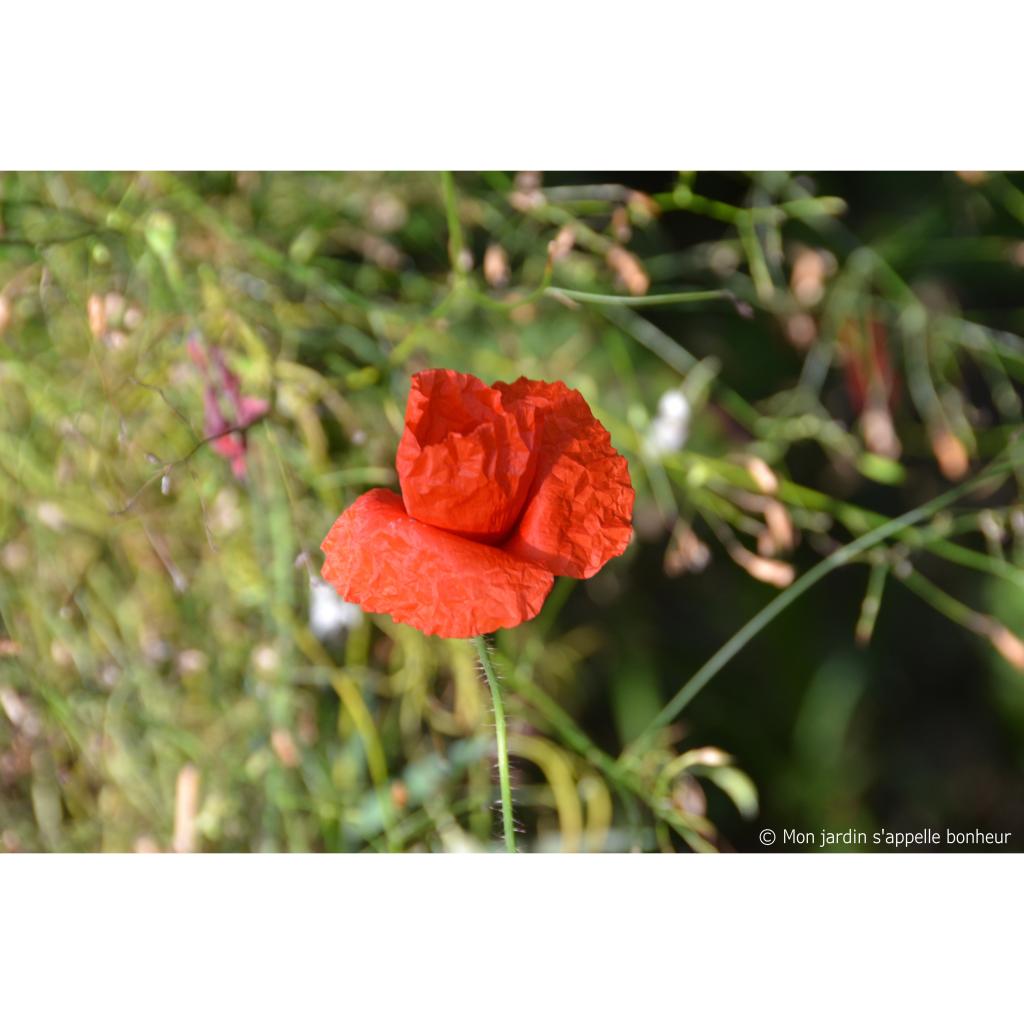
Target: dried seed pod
x,y
877,429
629,269
284,747
1017,521
780,526
192,661
496,271
621,228
801,330
1008,644
807,279
991,526
711,757
685,553
527,194
96,310
386,213
767,570
562,244
186,808
399,794
950,453
17,709
764,479
643,207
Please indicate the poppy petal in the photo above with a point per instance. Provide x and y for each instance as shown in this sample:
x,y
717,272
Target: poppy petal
x,y
385,561
465,462
579,511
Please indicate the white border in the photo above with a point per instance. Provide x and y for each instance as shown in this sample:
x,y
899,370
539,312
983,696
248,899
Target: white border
x,y
456,83
499,938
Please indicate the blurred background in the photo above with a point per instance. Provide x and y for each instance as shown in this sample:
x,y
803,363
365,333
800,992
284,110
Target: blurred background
x,y
199,372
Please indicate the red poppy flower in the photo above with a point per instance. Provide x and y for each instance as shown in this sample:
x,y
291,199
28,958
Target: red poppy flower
x,y
503,488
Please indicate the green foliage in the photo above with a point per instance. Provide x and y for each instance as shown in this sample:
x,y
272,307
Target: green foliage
x,y
160,682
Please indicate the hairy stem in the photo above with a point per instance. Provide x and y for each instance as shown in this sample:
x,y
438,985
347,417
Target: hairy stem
x,y
480,645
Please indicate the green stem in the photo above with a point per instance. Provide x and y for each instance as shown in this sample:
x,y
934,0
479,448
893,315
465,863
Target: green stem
x,y
628,782
944,603
668,299
451,210
480,645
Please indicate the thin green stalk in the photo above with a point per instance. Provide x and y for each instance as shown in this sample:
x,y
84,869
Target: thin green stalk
x,y
451,210
945,604
755,259
872,603
480,645
668,299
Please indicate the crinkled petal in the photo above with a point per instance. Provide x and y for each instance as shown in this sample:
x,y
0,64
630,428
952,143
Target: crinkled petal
x,y
465,462
385,561
579,511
